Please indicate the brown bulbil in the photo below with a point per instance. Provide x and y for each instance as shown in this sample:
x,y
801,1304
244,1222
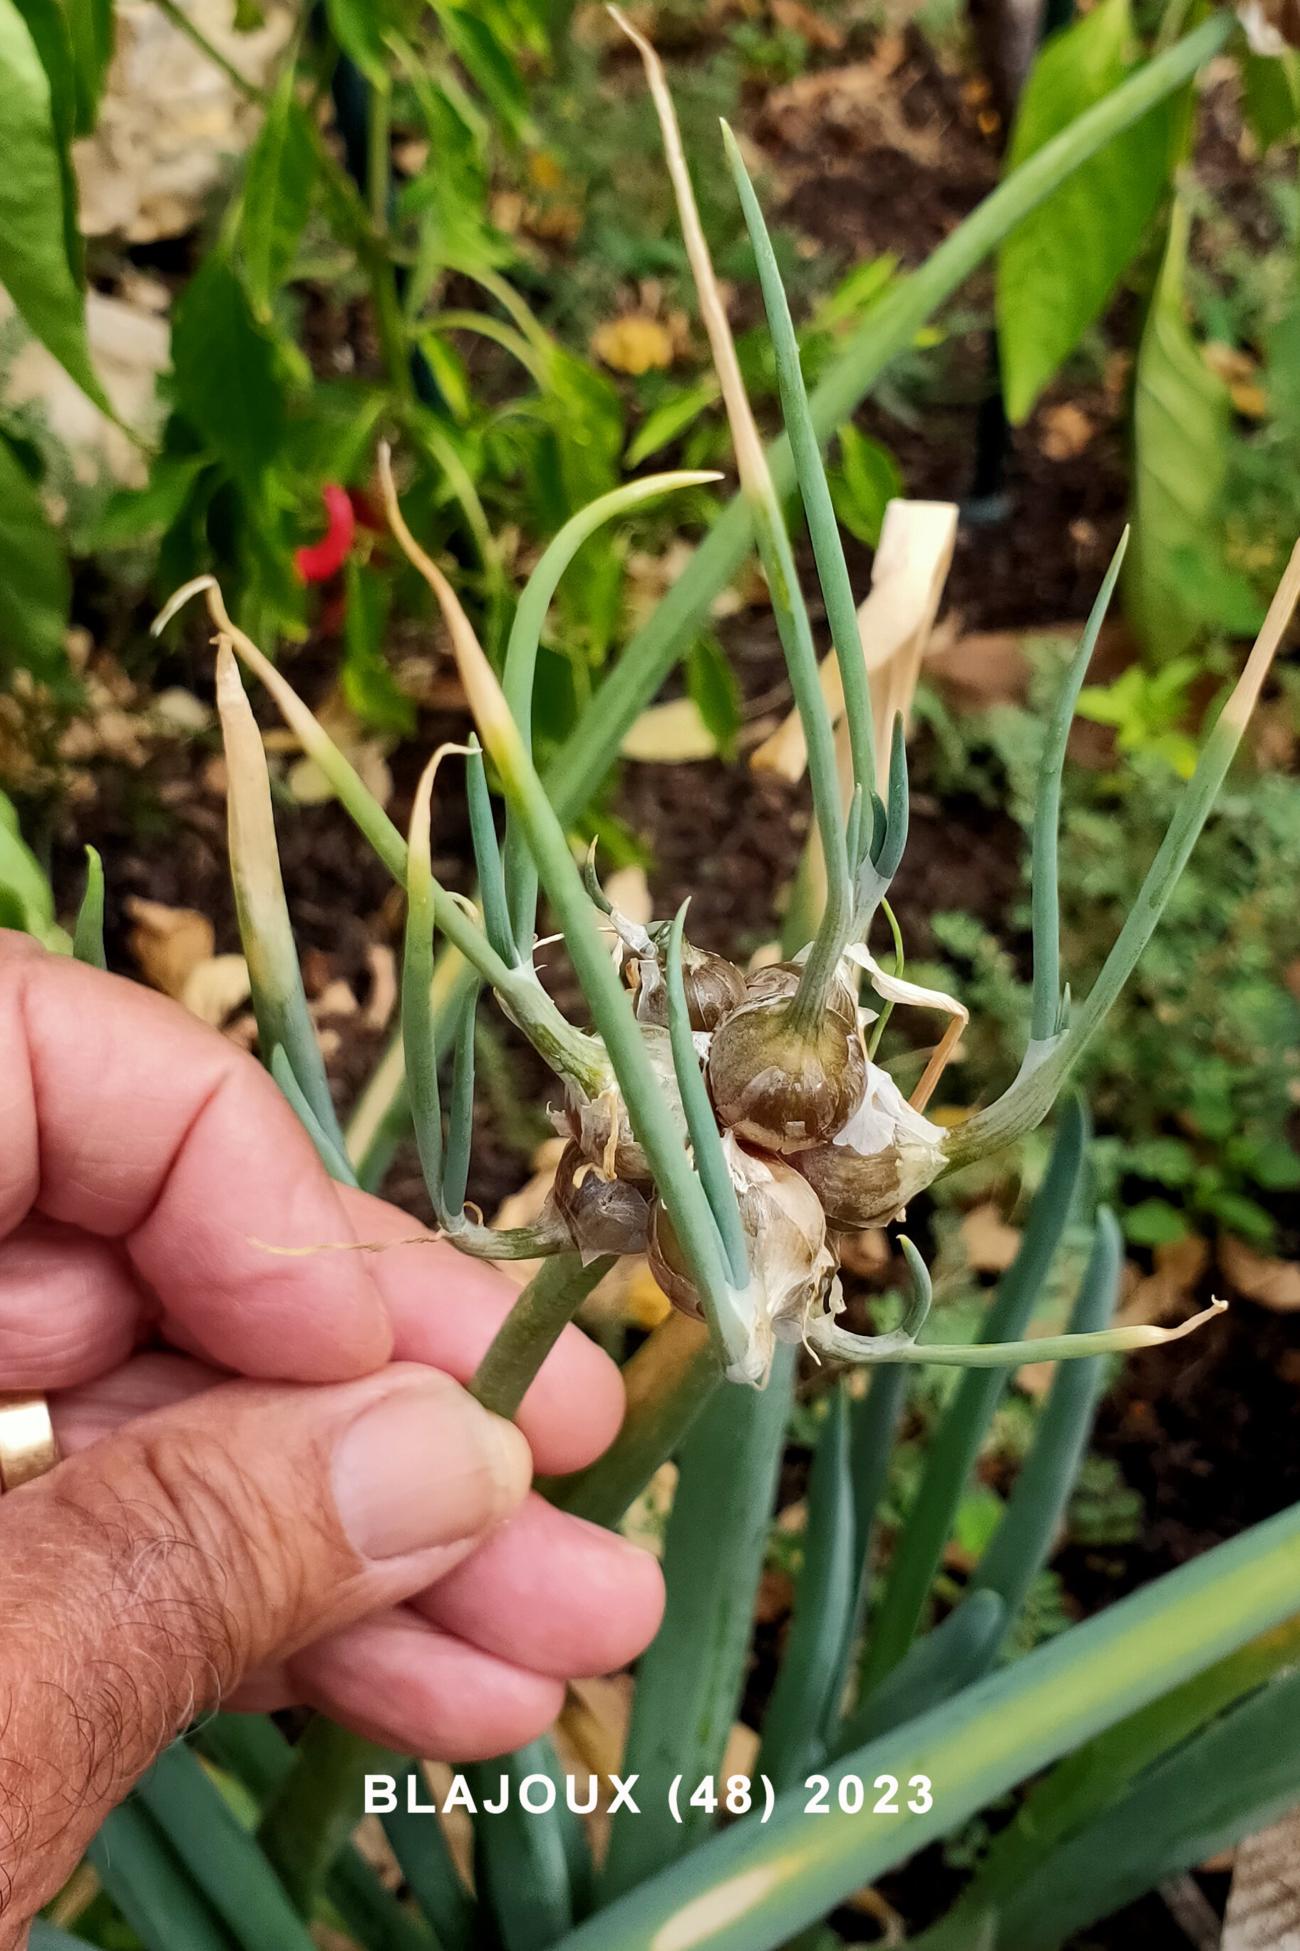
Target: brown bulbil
x,y
782,1088
714,987
603,1215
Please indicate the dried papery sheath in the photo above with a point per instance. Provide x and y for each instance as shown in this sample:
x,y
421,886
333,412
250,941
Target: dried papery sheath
x,y
713,985
884,1156
603,1214
793,1280
597,1116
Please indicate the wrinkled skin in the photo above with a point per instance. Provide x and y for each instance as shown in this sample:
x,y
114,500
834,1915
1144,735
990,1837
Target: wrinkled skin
x,y
275,1488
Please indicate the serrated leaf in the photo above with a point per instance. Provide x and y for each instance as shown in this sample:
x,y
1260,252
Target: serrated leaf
x,y
1057,269
35,588
226,371
34,210
1181,419
277,195
669,420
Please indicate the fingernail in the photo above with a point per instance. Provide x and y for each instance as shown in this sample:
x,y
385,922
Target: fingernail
x,y
426,1466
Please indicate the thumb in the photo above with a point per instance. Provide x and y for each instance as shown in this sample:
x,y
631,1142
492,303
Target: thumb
x,y
142,1578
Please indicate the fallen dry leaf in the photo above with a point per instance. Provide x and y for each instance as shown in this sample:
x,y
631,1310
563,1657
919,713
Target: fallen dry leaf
x,y
670,734
215,989
991,1245
1166,1291
168,943
1064,431
796,18
633,344
1273,1284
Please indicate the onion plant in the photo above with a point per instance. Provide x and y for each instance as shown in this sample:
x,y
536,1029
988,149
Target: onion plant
x,y
737,1127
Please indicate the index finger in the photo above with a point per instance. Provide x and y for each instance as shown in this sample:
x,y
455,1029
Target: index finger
x,y
125,1117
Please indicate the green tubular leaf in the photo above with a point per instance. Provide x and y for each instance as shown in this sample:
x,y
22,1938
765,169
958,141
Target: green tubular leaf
x,y
532,1328
1024,1538
801,1703
418,1038
265,930
1044,1071
1056,271
667,1383
610,1005
332,1157
531,1866
35,586
88,934
934,1669
688,1684
774,550
593,745
460,1117
1080,1789
313,1811
252,1749
810,470
48,1937
159,1900
889,329
435,1884
520,668
221,1857
487,856
928,1523
706,1142
1046,1005
35,221
873,1430
753,1887
1229,1780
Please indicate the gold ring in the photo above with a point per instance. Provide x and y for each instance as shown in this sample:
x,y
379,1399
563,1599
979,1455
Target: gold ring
x,y
27,1444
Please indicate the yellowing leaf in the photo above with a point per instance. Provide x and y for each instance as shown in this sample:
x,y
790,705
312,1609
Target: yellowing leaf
x,y
670,734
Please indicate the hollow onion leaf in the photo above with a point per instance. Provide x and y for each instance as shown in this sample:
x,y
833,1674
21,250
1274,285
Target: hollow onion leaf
x,y
689,1682
801,1702
751,1888
952,1453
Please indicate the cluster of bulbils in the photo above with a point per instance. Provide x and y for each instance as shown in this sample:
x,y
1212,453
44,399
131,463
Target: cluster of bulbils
x,y
818,1140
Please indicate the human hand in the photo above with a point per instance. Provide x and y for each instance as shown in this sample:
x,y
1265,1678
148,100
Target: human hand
x,y
366,1545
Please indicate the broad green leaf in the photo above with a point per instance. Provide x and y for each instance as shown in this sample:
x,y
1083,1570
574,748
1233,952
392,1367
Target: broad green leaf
x,y
670,419
26,901
865,480
277,195
1181,420
711,685
226,372
47,24
34,215
366,677
1057,269
357,26
1270,92
35,588
91,26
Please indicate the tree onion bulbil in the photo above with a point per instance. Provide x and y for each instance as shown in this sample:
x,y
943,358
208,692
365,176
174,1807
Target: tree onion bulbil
x,y
738,1126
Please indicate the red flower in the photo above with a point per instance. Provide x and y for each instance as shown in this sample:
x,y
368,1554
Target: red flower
x,y
318,561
